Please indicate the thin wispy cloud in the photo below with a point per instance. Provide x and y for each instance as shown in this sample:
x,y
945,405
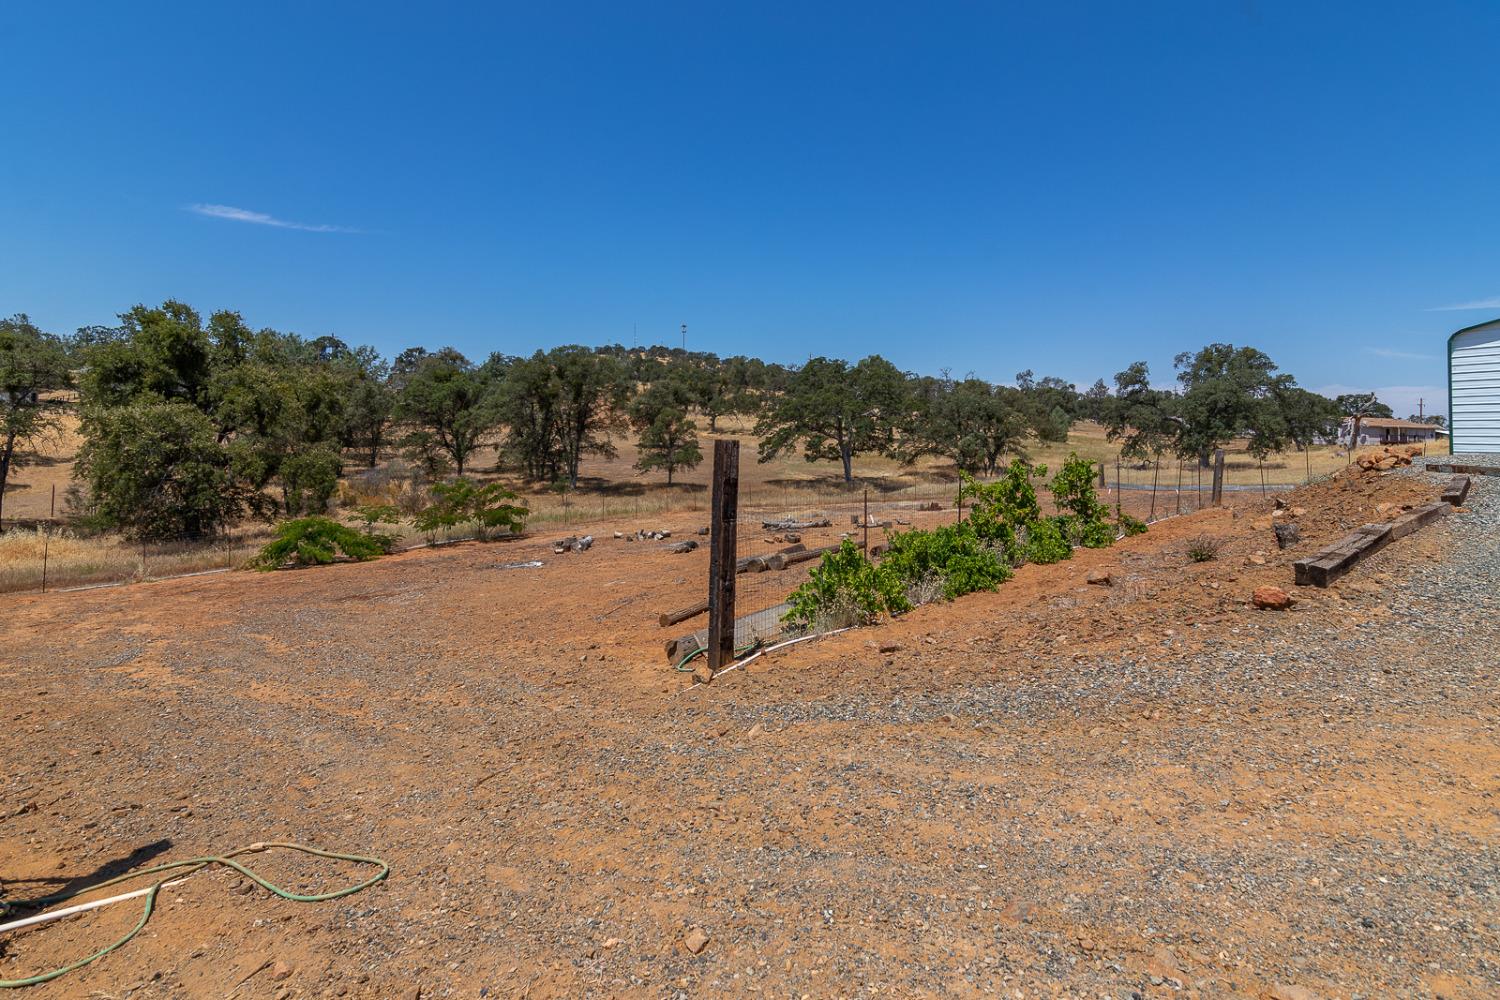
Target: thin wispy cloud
x,y
1386,352
1490,303
233,214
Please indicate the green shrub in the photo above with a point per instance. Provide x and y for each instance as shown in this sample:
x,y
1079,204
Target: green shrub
x,y
953,554
463,501
844,589
1132,525
1003,509
1005,528
1085,520
316,541
1045,542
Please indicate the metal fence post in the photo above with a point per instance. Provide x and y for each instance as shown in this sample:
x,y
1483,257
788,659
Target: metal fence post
x,y
866,547
721,557
1117,487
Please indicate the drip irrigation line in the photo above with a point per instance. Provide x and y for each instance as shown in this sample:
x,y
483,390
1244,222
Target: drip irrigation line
x,y
193,866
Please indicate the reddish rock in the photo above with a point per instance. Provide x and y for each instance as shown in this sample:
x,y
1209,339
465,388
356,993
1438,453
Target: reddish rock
x,y
696,940
1273,598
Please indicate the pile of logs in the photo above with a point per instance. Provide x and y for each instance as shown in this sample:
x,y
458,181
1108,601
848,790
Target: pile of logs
x,y
639,536
572,544
776,561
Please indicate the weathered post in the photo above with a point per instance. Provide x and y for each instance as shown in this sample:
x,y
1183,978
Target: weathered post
x,y
721,558
1218,495
1155,471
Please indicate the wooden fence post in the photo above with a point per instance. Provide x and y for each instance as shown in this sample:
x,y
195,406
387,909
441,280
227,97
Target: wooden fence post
x,y
721,558
1217,499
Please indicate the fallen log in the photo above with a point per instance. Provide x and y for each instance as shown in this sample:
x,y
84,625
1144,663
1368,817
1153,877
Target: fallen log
x,y
759,564
683,614
680,547
782,560
681,646
793,525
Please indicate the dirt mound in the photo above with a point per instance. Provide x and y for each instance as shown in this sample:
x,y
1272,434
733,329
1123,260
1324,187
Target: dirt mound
x,y
1337,505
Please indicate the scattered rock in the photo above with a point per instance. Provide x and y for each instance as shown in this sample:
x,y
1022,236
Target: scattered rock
x,y
280,971
1287,533
696,940
1101,577
1255,559
888,647
1271,598
1280,992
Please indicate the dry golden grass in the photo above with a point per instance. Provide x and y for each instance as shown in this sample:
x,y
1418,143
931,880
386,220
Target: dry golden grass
x,y
69,560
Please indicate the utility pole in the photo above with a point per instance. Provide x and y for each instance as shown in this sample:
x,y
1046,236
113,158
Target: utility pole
x,y
684,338
1420,413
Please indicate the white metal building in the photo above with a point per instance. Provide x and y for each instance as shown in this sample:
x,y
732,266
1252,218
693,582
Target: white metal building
x,y
1474,388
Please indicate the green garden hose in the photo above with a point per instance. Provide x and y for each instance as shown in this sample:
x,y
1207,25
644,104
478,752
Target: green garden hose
x,y
194,865
682,663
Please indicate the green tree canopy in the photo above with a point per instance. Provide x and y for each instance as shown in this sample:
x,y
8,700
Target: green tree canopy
x,y
668,437
1228,392
836,412
34,367
157,471
970,421
1142,419
444,399
559,406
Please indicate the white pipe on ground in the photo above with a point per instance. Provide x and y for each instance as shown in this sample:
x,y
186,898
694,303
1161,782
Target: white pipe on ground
x,y
68,911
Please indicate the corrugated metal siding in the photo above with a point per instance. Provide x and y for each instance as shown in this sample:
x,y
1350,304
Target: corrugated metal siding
x,y
1474,365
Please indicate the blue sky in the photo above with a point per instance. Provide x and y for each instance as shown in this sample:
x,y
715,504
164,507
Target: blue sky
x,y
1065,187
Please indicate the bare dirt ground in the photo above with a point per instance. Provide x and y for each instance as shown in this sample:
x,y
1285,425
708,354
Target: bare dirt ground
x,y
1146,789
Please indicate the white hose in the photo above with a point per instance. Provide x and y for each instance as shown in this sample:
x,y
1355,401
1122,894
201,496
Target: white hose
x,y
762,652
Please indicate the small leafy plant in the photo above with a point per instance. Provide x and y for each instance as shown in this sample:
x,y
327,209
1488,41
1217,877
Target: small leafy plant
x,y
1083,520
845,589
316,541
1045,542
1204,548
1132,526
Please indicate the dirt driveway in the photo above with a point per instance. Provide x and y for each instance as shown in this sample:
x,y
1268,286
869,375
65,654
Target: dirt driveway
x,y
1061,789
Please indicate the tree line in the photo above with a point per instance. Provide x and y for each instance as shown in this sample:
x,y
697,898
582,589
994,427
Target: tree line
x,y
191,426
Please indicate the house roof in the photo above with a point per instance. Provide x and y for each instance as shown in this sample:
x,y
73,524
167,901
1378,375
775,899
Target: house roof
x,y
1386,422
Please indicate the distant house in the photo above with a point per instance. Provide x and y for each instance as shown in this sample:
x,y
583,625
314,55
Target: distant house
x,y
1382,430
